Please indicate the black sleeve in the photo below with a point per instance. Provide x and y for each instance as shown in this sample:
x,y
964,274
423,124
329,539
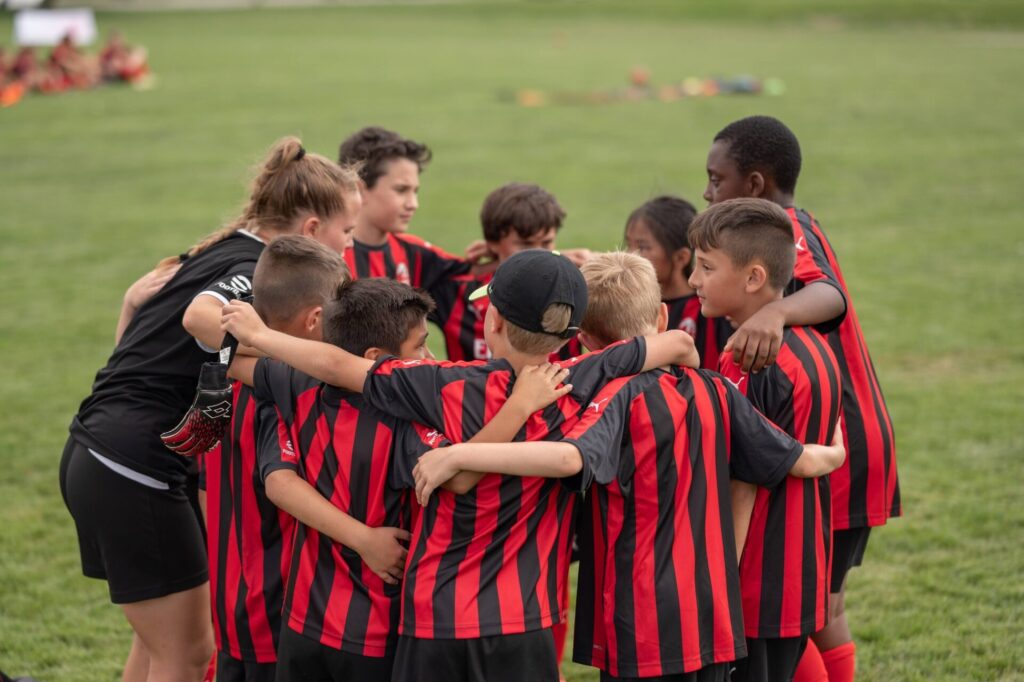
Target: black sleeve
x,y
232,286
761,453
407,389
280,384
771,393
589,373
599,436
411,441
274,448
436,265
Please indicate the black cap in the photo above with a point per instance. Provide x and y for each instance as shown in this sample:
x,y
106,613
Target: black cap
x,y
526,284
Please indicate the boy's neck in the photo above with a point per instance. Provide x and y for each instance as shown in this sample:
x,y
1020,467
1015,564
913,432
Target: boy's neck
x,y
369,235
783,199
753,303
519,360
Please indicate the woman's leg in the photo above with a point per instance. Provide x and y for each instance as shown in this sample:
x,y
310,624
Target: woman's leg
x,y
176,633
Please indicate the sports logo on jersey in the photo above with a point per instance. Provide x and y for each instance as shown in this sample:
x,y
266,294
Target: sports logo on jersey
x,y
738,383
402,273
480,350
596,405
800,244
432,438
410,363
288,451
689,325
238,286
221,409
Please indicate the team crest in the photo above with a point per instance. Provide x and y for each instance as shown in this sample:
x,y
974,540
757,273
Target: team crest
x,y
689,325
402,274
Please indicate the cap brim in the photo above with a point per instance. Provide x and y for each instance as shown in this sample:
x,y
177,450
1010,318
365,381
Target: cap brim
x,y
479,293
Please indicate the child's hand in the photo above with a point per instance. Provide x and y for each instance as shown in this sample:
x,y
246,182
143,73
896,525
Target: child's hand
x,y
241,320
383,552
837,437
537,386
577,256
146,286
477,252
432,471
755,344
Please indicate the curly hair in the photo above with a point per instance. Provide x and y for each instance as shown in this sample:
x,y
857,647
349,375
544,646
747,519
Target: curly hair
x,y
373,147
766,145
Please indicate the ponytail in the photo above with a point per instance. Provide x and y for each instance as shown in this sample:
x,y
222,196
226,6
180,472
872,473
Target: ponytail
x,y
290,182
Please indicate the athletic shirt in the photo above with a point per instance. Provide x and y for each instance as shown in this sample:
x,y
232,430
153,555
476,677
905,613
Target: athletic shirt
x,y
404,258
865,490
343,448
494,560
150,379
462,321
709,335
786,561
248,537
658,590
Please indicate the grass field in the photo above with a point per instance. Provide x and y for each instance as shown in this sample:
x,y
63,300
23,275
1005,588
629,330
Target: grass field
x,y
909,114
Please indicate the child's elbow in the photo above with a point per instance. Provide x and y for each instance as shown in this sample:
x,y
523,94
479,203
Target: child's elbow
x,y
570,463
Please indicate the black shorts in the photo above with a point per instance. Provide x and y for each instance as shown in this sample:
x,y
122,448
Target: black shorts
x,y
146,543
231,669
770,660
526,657
300,658
718,672
847,551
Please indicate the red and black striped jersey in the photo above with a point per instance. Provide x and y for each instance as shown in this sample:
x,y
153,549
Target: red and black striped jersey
x,y
709,335
658,590
462,321
785,567
865,490
248,538
494,560
405,258
344,450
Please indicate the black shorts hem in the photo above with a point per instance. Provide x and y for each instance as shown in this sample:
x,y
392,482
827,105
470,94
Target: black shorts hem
x,y
157,591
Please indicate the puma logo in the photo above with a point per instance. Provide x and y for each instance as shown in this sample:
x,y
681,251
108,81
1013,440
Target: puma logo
x,y
800,244
736,384
596,406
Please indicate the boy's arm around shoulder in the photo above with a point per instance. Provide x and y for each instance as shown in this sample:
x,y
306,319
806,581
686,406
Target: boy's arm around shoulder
x,y
821,460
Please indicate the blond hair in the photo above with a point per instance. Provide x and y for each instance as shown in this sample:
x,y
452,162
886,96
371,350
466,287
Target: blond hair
x,y
623,296
555,321
289,183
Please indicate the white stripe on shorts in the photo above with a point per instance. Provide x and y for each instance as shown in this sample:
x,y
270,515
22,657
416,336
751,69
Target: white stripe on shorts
x,y
122,470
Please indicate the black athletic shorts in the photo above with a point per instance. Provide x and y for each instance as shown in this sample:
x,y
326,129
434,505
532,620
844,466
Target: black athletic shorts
x,y
231,669
300,658
770,660
718,672
526,657
847,551
146,543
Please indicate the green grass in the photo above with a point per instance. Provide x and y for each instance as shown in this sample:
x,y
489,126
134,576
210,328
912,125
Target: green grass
x,y
912,143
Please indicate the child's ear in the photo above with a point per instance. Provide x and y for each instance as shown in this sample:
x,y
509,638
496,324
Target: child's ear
x,y
313,319
681,258
663,316
374,353
363,189
756,185
590,342
310,227
757,278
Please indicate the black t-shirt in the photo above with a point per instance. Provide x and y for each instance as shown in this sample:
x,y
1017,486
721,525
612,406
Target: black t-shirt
x,y
150,379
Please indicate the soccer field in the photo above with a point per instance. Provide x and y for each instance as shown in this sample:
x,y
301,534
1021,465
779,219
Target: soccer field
x,y
910,122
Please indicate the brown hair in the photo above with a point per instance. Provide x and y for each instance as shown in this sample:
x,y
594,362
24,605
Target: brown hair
x,y
295,273
748,230
374,313
290,182
556,319
623,296
374,147
527,209
668,218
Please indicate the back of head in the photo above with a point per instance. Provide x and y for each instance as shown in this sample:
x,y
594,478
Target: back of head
x,y
766,145
527,209
624,297
748,230
374,313
373,147
289,183
295,273
668,218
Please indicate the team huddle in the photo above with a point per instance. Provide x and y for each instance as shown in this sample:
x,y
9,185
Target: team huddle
x,y
694,419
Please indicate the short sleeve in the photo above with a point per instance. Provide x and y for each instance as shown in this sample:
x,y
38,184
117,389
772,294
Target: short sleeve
x,y
761,453
274,448
232,286
812,265
407,389
589,373
431,264
274,382
599,436
411,441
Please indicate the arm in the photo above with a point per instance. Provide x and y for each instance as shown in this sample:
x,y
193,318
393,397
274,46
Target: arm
x,y
202,320
379,547
536,387
141,291
819,460
756,342
673,347
743,496
536,458
321,361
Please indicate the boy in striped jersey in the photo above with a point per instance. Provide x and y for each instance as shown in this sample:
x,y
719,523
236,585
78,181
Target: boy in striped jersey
x,y
744,259
485,568
759,156
248,538
658,594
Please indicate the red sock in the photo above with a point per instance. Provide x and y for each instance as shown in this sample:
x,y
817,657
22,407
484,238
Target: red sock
x,y
811,668
840,662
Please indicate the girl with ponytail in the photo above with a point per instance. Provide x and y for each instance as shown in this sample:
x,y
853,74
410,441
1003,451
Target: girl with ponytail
x,y
126,492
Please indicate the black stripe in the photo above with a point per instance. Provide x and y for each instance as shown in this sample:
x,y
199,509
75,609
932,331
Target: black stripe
x,y
625,555
773,561
271,540
323,576
586,589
